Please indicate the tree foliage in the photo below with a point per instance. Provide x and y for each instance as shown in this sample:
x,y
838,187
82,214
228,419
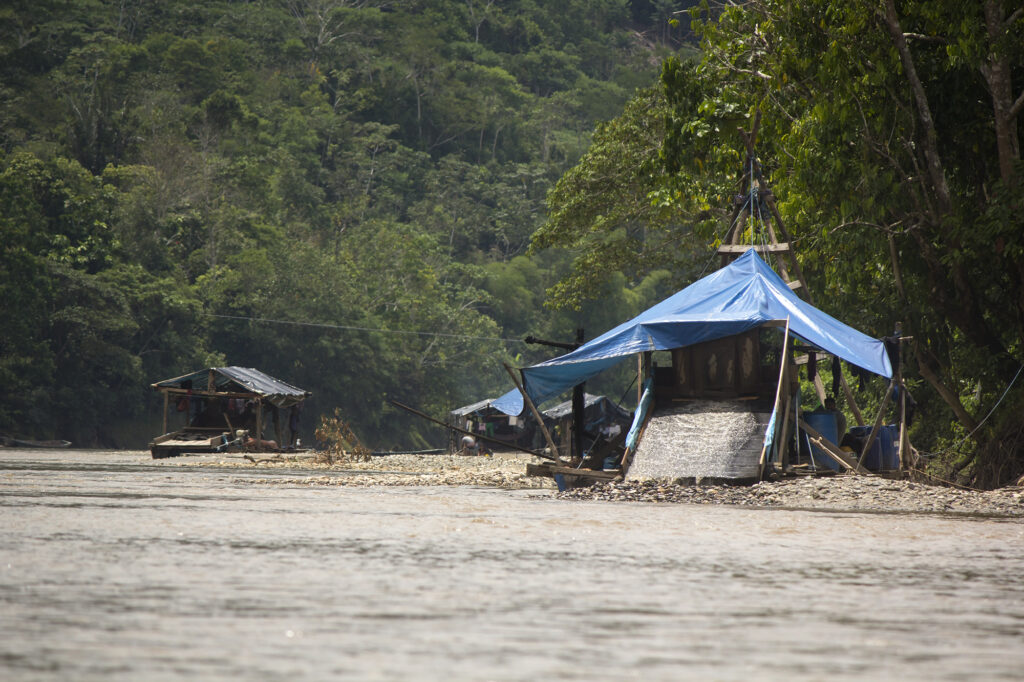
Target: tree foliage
x,y
890,132
327,190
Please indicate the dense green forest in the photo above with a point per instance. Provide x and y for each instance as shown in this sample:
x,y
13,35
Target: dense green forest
x,y
377,200
338,192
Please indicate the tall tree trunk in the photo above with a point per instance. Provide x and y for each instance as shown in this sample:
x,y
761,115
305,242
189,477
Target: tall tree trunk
x,y
936,173
998,75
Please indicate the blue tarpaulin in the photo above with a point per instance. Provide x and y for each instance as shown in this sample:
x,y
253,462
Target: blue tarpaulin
x,y
743,295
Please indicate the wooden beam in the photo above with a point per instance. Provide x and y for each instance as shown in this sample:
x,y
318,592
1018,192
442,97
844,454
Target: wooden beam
x,y
769,200
819,387
851,401
832,450
784,435
762,461
903,394
204,394
878,423
536,414
548,469
782,247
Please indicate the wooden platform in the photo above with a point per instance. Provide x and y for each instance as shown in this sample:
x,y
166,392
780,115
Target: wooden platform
x,y
192,439
585,476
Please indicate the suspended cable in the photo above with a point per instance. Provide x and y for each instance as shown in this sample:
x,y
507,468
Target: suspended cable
x,y
982,422
323,325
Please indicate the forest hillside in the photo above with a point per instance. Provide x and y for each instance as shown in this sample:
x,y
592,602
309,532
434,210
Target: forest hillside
x,y
379,200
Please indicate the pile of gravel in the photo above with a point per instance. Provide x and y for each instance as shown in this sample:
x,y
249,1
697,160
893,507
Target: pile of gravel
x,y
499,470
838,493
701,439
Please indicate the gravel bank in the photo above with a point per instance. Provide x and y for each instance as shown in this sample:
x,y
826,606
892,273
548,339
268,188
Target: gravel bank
x,y
838,493
508,470
500,470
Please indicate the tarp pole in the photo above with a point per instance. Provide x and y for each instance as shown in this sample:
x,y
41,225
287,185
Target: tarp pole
x,y
903,397
639,377
536,414
167,400
578,407
259,424
778,397
851,401
878,424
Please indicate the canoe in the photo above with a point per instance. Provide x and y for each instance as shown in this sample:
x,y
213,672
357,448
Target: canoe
x,y
21,443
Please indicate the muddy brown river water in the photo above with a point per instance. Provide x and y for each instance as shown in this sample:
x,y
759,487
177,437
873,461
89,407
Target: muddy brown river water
x,y
113,567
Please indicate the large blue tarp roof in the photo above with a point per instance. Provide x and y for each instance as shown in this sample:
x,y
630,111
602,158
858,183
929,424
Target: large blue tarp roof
x,y
744,294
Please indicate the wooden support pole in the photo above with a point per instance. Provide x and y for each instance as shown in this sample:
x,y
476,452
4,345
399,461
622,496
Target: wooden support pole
x,y
536,414
278,433
851,401
878,423
259,424
639,378
903,396
167,400
762,461
903,425
784,435
819,388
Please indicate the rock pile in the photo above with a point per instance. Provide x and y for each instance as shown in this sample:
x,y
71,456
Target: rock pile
x,y
500,470
839,493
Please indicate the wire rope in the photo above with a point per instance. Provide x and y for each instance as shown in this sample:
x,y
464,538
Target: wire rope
x,y
982,422
323,325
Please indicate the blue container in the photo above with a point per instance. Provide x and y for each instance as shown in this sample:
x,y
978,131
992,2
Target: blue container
x,y
827,425
888,437
884,453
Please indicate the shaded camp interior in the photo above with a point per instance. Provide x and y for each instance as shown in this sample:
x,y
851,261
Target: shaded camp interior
x,y
603,430
482,419
224,408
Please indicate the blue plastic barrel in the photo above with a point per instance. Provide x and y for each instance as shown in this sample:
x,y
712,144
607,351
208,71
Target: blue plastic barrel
x,y
888,437
873,461
827,425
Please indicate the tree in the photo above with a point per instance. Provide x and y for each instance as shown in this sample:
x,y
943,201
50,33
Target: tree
x,y
874,119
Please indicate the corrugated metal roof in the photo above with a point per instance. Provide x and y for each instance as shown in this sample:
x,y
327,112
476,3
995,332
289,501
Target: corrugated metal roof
x,y
242,380
470,409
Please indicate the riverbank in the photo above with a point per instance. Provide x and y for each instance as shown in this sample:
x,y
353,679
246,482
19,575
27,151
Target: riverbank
x,y
836,493
499,470
508,471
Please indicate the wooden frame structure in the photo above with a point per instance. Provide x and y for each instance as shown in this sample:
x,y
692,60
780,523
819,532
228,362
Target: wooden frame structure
x,y
222,387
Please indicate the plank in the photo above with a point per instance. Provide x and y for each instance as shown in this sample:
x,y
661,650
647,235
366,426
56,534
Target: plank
x,y
552,469
782,247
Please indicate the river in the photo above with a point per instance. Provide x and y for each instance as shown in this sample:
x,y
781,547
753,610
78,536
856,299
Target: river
x,y
115,567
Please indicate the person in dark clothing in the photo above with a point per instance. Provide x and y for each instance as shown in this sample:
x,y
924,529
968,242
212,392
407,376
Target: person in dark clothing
x,y
830,407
